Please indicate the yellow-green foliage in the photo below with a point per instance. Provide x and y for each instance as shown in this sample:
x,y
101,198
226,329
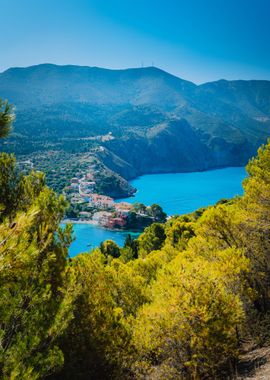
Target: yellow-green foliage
x,y
100,332
151,239
36,284
195,310
181,309
175,304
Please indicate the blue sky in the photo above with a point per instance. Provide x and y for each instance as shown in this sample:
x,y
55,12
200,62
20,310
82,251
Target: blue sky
x,y
199,40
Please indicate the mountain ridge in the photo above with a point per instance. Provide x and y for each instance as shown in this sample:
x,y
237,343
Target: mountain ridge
x,y
48,64
159,122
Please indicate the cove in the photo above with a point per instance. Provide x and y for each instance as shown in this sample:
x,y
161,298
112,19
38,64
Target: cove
x,y
89,236
176,193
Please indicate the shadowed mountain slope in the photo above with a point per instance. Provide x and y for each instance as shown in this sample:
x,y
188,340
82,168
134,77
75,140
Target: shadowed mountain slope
x,y
159,122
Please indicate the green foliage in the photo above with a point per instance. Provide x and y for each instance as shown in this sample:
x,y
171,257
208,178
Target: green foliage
x,y
176,303
6,118
96,342
199,286
152,239
36,295
110,248
36,283
140,207
17,192
157,213
179,233
131,245
255,224
190,325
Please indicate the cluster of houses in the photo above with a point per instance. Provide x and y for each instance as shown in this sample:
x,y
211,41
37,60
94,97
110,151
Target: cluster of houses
x,y
116,218
80,189
108,213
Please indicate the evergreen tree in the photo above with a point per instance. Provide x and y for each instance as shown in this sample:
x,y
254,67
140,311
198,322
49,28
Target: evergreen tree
x,y
6,118
151,239
35,279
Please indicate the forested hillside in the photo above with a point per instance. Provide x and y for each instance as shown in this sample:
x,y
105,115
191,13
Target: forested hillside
x,y
180,302
158,122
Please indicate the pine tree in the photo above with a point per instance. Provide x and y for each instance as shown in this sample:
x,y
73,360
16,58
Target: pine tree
x,y
36,284
6,118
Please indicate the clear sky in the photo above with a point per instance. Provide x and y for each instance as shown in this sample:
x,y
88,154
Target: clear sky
x,y
198,40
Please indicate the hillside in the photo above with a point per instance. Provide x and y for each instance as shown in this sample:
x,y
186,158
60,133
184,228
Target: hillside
x,y
187,299
159,123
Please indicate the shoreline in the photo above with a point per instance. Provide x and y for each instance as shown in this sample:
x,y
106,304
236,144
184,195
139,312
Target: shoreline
x,y
95,224
66,221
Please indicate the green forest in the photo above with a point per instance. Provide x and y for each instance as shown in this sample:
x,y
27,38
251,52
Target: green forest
x,y
180,302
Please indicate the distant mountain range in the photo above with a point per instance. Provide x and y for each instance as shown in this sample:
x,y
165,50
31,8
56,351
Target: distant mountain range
x,y
159,123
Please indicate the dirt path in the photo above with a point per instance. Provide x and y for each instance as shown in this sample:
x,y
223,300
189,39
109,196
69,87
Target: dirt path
x,y
255,365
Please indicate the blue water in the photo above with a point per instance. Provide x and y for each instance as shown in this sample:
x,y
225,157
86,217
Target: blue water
x,y
180,193
89,237
176,193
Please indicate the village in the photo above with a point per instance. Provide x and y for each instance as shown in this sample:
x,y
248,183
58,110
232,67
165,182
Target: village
x,y
95,208
87,205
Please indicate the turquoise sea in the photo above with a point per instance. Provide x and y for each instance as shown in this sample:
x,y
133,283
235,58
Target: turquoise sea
x,y
89,236
176,193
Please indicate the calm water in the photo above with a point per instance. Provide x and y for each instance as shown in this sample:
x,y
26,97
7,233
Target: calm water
x,y
180,193
89,236
176,193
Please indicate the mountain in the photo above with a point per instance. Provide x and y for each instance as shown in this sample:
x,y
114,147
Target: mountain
x,y
50,84
157,121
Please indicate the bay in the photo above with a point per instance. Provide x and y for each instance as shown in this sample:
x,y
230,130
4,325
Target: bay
x,y
176,193
181,193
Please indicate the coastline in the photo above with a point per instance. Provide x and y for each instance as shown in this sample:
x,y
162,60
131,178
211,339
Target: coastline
x,y
184,195
94,223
